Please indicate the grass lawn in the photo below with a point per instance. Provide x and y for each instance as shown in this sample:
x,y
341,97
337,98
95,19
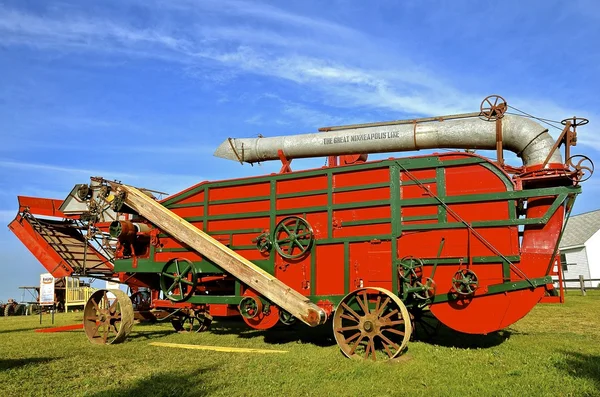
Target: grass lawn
x,y
555,350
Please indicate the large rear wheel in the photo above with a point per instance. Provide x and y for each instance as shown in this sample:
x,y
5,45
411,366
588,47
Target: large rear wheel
x,y
372,323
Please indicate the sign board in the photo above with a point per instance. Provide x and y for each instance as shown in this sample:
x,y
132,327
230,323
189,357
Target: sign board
x,y
111,285
46,289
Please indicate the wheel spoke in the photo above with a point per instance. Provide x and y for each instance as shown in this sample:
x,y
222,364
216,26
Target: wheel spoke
x,y
302,248
187,282
177,267
393,330
345,306
351,338
286,229
356,344
171,287
390,314
383,306
348,317
365,305
168,276
387,350
397,322
348,328
385,339
105,300
96,328
113,307
296,225
372,344
186,271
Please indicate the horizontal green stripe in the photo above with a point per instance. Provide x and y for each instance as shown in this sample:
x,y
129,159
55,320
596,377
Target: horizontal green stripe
x,y
302,194
366,222
240,200
360,187
419,218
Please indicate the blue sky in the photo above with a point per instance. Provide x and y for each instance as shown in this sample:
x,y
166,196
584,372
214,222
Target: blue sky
x,y
144,90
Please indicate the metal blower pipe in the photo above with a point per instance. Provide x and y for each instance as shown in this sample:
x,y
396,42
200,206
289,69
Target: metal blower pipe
x,y
126,230
523,136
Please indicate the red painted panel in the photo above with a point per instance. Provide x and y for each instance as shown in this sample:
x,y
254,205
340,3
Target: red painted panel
x,y
188,212
43,252
243,223
330,270
233,192
41,206
363,177
301,184
195,198
481,180
295,273
250,206
359,196
301,202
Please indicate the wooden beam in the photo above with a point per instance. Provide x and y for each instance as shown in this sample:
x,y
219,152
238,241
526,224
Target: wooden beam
x,y
247,272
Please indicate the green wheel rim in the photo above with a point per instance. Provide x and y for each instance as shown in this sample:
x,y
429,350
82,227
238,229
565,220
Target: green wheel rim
x,y
175,277
293,237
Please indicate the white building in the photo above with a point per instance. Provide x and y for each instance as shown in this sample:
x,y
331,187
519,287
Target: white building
x,y
580,248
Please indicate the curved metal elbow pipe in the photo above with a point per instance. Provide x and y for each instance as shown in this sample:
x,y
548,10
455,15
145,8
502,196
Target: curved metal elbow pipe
x,y
525,137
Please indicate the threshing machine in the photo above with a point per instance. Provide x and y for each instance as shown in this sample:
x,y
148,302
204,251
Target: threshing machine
x,y
372,246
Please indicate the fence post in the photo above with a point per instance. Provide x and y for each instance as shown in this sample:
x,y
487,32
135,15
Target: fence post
x,y
582,285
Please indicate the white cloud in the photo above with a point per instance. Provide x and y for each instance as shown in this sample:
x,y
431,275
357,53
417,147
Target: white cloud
x,y
407,89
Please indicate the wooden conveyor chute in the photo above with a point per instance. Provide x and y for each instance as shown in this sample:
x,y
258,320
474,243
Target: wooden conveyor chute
x,y
230,261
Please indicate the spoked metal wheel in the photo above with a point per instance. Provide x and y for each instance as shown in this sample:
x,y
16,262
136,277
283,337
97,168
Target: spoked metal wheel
x,y
372,323
178,279
106,320
192,323
293,237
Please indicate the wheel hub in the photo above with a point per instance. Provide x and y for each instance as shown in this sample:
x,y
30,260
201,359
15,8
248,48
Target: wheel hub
x,y
368,326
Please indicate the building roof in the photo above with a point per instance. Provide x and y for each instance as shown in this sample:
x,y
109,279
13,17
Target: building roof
x,y
580,228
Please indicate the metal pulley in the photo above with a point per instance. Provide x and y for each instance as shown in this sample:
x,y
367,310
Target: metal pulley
x,y
293,237
493,107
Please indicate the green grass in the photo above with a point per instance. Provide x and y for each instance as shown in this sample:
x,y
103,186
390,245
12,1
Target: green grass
x,y
555,350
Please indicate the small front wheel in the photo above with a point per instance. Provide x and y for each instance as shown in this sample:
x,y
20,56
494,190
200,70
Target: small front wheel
x,y
108,319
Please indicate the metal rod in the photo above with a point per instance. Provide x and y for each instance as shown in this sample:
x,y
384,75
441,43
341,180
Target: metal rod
x,y
400,122
479,236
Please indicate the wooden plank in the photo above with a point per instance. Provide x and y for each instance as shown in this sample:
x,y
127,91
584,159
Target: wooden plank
x,y
230,261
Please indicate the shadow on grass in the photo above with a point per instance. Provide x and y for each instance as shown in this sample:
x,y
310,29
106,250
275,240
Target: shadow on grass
x,y
173,383
319,336
448,337
12,363
581,365
148,334
322,336
428,329
8,331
